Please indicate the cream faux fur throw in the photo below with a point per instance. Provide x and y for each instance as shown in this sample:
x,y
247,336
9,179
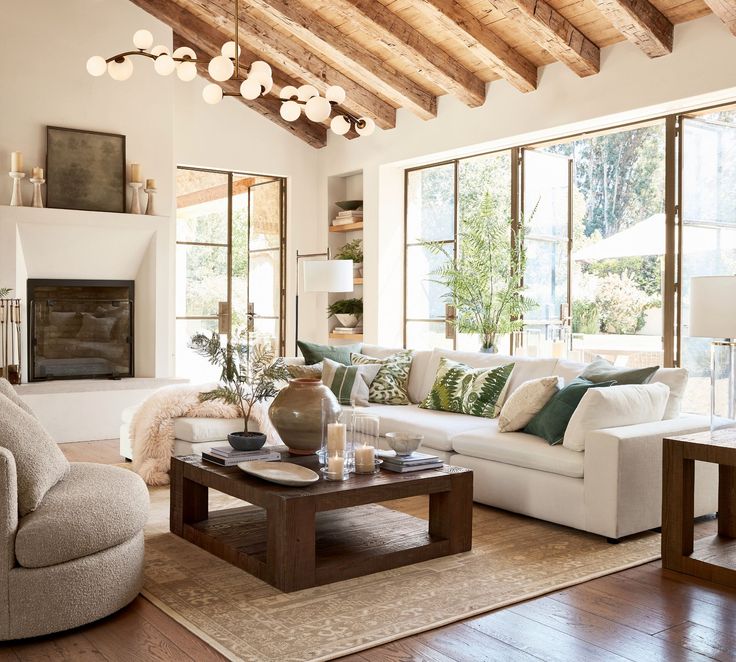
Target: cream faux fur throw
x,y
152,426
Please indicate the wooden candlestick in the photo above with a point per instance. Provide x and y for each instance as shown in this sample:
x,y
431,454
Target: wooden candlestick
x,y
135,200
16,199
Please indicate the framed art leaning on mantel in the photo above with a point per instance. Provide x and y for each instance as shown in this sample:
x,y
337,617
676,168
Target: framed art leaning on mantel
x,y
85,170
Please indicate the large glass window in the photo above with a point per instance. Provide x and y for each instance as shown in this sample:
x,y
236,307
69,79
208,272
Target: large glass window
x,y
229,256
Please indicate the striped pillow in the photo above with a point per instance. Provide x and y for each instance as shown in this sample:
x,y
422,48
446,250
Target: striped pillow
x,y
350,384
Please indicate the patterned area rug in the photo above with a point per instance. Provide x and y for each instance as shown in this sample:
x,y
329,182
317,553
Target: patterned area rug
x,y
513,558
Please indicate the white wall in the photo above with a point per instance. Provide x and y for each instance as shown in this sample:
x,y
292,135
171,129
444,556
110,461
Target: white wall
x,y
629,87
232,136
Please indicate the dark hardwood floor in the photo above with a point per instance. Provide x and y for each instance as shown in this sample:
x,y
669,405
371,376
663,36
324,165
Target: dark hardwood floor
x,y
642,614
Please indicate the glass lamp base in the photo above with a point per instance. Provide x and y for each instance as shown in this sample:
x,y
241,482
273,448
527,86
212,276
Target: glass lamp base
x,y
723,385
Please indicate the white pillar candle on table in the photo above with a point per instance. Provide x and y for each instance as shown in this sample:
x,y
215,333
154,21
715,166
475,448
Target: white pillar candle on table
x,y
16,162
135,172
336,437
365,458
335,465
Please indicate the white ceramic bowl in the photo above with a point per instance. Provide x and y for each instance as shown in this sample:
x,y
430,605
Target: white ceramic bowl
x,y
403,443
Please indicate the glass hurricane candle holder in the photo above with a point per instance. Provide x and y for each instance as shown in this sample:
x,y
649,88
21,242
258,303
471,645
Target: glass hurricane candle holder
x,y
365,443
334,433
336,466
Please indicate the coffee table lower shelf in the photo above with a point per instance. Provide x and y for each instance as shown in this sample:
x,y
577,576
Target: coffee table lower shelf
x,y
349,543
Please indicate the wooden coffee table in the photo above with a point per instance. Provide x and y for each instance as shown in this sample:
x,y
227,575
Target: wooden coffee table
x,y
297,537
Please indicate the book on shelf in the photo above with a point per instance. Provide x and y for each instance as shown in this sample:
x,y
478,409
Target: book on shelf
x,y
232,460
348,330
345,221
349,212
406,468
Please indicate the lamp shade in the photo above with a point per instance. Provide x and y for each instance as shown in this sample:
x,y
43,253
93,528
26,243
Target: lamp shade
x,y
328,276
713,307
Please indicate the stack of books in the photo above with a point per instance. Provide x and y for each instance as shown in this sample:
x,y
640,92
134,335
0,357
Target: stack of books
x,y
348,217
347,330
414,462
227,456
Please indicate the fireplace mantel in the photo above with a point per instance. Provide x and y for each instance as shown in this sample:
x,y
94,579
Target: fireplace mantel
x,y
84,245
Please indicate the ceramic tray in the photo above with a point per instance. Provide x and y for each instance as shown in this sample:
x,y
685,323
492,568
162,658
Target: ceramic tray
x,y
283,473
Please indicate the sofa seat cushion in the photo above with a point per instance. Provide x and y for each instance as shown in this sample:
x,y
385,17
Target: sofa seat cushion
x,y
197,430
94,508
519,449
438,427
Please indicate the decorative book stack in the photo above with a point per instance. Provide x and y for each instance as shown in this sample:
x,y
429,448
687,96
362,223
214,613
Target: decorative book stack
x,y
227,456
348,217
347,330
414,462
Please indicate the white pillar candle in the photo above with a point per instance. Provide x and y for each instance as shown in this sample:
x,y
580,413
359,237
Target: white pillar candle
x,y
365,458
336,437
37,172
16,162
558,349
335,465
150,183
135,172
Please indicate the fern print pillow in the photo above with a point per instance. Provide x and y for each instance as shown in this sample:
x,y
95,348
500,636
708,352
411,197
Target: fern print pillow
x,y
391,385
464,390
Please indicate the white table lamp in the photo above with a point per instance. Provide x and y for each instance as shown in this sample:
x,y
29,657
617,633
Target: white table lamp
x,y
713,315
321,276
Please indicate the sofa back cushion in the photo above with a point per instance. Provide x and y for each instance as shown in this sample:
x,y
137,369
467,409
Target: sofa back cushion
x,y
676,379
568,370
627,404
40,464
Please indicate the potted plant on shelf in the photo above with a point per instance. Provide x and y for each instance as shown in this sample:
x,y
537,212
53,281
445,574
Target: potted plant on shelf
x,y
485,283
249,374
353,250
347,311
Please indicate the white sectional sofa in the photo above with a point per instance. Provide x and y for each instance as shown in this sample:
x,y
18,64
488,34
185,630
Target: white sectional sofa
x,y
613,488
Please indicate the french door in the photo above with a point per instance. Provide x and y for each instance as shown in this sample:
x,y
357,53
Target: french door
x,y
229,261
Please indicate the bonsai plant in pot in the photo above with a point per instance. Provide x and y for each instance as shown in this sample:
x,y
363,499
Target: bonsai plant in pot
x,y
347,311
353,250
249,374
485,283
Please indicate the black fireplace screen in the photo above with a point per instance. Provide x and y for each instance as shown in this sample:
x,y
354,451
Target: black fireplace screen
x,y
80,329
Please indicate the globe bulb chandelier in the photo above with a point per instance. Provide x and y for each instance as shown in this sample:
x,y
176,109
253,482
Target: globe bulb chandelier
x,y
257,81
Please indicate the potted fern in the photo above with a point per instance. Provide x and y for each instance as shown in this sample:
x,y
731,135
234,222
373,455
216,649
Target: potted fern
x,y
353,250
249,374
347,311
485,283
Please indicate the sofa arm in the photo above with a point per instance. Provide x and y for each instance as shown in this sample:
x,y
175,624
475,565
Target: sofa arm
x,y
9,525
623,476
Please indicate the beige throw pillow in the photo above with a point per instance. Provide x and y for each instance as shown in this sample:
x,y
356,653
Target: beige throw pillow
x,y
302,371
39,462
526,402
6,389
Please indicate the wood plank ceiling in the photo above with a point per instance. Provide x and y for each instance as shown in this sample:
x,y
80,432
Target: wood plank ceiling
x,y
391,54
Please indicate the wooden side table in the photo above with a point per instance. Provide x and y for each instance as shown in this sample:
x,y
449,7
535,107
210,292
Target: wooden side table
x,y
714,557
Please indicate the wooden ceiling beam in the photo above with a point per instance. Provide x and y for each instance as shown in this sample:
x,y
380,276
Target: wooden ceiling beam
x,y
553,32
726,11
344,53
488,47
294,59
425,57
641,23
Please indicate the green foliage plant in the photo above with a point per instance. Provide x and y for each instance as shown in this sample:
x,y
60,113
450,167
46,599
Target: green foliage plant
x,y
345,307
5,291
249,374
621,303
353,250
585,317
485,283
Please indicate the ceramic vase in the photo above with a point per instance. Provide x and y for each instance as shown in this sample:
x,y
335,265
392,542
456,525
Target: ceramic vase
x,y
296,413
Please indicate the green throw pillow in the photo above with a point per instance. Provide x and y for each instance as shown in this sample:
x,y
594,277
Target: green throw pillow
x,y
391,385
465,390
349,383
551,421
602,370
314,353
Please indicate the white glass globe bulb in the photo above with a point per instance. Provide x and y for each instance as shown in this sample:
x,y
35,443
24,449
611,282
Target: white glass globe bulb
x,y
164,65
96,66
260,69
228,50
369,126
250,89
288,91
159,50
186,71
212,93
290,111
142,40
317,109
184,51
306,92
335,93
120,70
267,86
220,68
339,125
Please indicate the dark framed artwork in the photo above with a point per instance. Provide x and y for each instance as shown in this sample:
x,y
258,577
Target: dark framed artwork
x,y
85,170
